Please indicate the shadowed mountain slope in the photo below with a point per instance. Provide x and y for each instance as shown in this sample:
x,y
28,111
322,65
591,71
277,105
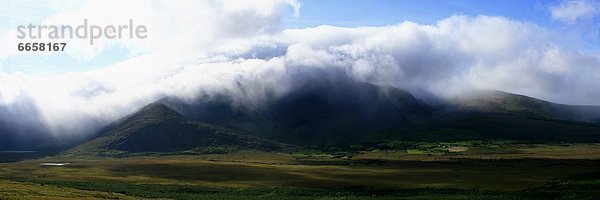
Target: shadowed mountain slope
x,y
158,128
319,112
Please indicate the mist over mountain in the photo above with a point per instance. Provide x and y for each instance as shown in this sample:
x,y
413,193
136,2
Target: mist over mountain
x,y
315,107
21,127
258,70
503,102
339,112
324,106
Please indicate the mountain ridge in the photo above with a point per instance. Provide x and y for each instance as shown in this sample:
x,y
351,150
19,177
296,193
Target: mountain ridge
x,y
504,102
158,128
329,115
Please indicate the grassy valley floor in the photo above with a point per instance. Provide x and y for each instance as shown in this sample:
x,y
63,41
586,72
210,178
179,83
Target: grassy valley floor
x,y
462,171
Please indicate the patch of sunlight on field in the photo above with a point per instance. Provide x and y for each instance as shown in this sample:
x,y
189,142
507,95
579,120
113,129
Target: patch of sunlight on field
x,y
505,151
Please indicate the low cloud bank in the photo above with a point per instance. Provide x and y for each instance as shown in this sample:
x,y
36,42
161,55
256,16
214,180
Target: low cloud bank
x,y
246,56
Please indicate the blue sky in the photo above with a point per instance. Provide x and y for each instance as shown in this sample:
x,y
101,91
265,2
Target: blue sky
x,y
387,12
313,13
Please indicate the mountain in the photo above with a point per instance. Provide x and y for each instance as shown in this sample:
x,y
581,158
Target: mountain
x,y
339,113
22,129
318,112
158,128
344,112
500,115
508,103
9,139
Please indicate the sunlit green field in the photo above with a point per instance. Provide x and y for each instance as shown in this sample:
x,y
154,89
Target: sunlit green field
x,y
501,171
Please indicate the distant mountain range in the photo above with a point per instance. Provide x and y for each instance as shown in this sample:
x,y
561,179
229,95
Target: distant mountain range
x,y
338,113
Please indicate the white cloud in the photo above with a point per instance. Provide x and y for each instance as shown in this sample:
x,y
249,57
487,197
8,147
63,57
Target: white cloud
x,y
206,51
571,11
457,53
183,26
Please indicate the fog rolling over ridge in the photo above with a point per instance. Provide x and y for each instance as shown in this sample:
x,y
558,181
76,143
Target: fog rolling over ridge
x,y
255,61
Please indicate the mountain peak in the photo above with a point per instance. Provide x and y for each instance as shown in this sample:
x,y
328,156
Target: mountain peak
x,y
156,110
158,128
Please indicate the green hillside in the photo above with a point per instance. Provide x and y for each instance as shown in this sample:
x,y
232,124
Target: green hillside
x,y
508,103
157,128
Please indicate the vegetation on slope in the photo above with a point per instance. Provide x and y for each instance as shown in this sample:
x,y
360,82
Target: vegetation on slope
x,y
157,128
